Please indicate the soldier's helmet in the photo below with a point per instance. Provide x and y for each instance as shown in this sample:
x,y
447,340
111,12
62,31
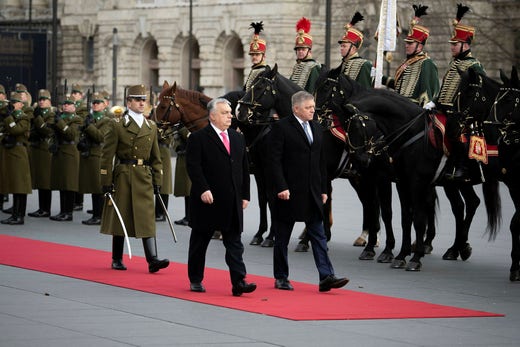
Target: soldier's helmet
x,y
303,38
137,92
418,33
257,44
44,94
462,33
353,35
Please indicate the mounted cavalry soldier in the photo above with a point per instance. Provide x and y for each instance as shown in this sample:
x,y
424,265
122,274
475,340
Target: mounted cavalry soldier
x,y
40,157
257,49
352,65
131,172
306,70
416,78
462,61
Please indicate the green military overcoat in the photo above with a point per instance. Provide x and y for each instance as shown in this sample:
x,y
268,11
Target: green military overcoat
x,y
164,146
182,182
39,154
133,183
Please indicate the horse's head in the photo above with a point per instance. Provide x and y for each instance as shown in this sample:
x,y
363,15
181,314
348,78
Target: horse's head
x,y
362,136
329,96
256,104
507,103
168,111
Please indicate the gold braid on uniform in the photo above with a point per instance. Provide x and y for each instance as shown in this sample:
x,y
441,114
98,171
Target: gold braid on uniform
x,y
352,66
301,72
451,81
252,76
407,75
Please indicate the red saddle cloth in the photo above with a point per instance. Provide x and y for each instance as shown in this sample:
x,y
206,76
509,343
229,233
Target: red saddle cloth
x,y
337,129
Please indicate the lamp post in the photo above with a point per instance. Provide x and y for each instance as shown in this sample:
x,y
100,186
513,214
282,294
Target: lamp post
x,y
115,44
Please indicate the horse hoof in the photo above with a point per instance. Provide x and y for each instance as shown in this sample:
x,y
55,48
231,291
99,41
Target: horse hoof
x,y
465,253
367,255
428,249
256,241
268,243
398,264
514,275
360,242
414,266
301,247
451,254
385,258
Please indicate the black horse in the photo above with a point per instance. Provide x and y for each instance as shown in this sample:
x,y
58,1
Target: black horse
x,y
504,122
406,145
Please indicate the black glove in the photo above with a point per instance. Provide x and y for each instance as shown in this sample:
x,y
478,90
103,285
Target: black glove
x,y
108,189
156,189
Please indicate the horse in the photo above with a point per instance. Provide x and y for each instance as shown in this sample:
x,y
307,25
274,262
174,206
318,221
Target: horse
x,y
179,107
414,162
271,91
504,120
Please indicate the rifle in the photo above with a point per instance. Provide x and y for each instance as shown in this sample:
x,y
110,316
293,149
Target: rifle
x,y
53,139
85,143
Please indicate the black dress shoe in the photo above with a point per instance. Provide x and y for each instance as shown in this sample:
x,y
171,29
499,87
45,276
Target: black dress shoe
x,y
197,287
90,211
332,281
62,217
13,221
92,221
78,207
243,287
283,284
183,221
161,218
39,214
157,264
118,265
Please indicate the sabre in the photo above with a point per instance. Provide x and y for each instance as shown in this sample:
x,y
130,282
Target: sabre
x,y
167,216
122,223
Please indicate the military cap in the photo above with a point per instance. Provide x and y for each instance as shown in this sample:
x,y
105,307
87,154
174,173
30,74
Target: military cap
x,y
2,89
353,35
16,97
303,38
44,94
69,100
462,33
76,88
137,92
257,44
98,97
105,94
19,88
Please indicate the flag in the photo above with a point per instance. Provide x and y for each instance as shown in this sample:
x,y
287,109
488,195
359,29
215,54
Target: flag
x,y
386,36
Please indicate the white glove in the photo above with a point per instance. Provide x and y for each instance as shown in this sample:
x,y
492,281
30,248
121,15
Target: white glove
x,y
430,105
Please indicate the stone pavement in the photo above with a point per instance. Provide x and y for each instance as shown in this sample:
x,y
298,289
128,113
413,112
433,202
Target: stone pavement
x,y
38,309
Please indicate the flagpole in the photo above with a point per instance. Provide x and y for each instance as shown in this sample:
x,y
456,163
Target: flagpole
x,y
386,39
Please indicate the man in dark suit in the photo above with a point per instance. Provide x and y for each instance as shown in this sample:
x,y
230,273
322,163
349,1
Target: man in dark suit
x,y
299,181
218,168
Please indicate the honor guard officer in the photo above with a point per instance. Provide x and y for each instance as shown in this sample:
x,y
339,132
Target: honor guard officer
x,y
90,147
76,94
131,171
4,110
306,70
257,49
15,174
417,77
40,157
352,65
65,158
460,44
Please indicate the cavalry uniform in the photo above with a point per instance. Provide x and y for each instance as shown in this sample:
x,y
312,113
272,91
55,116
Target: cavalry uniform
x,y
90,146
40,157
15,174
353,65
256,46
307,70
417,77
65,160
131,170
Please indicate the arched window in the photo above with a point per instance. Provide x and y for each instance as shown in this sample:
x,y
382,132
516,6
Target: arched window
x,y
150,64
195,65
233,64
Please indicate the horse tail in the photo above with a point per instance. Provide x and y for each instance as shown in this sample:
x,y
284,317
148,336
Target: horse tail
x,y
493,204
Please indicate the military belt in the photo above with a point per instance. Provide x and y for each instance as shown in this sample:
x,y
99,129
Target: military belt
x,y
138,162
68,142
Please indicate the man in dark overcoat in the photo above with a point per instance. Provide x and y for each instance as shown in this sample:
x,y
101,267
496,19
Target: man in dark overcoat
x,y
298,170
131,170
218,168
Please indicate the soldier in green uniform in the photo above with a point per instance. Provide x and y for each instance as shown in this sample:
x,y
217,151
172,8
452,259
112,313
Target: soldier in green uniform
x,y
131,170
306,70
182,183
165,140
15,174
352,65
417,77
460,44
90,147
82,111
257,49
4,111
65,158
40,157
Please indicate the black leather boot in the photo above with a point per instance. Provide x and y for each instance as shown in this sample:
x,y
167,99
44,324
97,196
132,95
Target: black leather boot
x,y
118,243
150,251
17,213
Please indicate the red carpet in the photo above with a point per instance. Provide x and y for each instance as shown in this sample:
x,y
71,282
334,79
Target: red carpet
x,y
304,303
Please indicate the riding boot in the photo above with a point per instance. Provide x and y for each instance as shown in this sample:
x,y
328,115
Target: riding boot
x,y
118,243
150,251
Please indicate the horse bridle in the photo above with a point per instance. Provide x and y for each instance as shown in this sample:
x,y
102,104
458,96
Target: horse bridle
x,y
325,113
254,116
172,102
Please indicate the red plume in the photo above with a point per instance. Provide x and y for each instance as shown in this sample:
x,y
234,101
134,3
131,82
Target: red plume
x,y
303,24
